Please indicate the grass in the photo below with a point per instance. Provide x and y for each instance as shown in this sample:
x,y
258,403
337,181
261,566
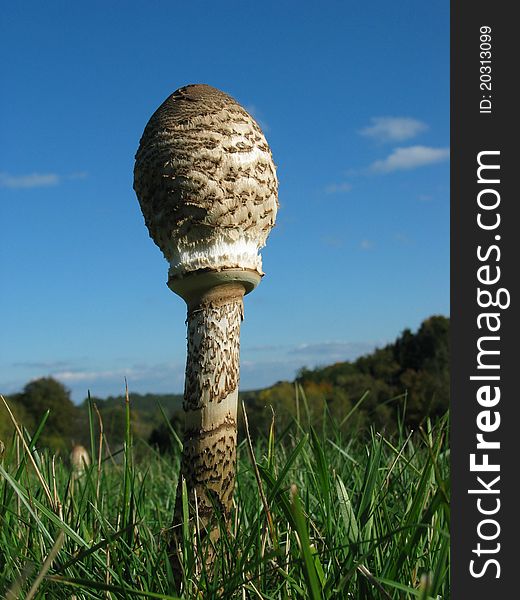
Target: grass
x,y
316,517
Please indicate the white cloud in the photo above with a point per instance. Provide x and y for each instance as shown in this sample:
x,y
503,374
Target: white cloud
x,y
332,350
284,365
33,180
36,180
402,238
410,158
78,175
366,244
76,376
160,378
333,241
142,378
393,129
42,365
338,188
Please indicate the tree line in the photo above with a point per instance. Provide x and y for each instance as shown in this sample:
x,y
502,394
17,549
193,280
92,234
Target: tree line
x,y
405,381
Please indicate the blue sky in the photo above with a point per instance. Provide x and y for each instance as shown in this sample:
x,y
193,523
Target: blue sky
x,y
354,101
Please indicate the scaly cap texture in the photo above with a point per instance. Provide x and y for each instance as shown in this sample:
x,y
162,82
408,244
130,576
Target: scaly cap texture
x,y
206,182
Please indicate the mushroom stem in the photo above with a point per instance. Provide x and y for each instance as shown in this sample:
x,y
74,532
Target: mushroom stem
x,y
210,403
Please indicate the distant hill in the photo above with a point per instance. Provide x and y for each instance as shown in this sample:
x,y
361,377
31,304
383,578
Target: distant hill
x,y
145,413
408,379
411,375
144,403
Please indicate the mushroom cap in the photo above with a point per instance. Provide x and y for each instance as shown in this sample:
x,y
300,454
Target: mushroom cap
x,y
206,182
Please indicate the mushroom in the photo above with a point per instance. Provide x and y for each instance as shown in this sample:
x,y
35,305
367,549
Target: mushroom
x,y
207,187
79,460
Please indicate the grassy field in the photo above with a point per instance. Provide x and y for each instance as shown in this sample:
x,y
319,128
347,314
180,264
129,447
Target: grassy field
x,y
316,516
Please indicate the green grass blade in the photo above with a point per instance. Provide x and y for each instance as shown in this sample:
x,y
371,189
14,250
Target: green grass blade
x,y
347,511
308,556
116,589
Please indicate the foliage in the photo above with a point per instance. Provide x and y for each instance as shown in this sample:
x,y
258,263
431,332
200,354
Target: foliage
x,y
68,424
407,380
47,394
7,429
146,414
414,371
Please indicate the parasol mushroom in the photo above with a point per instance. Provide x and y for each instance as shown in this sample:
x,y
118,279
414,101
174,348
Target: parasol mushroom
x,y
207,186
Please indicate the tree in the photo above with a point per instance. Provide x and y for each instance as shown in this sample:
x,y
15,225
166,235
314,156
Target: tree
x,y
21,415
44,394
